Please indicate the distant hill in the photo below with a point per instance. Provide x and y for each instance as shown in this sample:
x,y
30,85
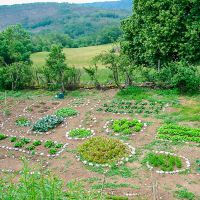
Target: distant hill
x,y
74,25
120,4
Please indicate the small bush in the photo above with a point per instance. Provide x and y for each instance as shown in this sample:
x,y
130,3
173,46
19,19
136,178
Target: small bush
x,y
80,133
103,150
46,123
37,143
66,112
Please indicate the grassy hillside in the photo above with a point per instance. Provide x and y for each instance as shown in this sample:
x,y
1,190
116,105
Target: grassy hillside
x,y
78,57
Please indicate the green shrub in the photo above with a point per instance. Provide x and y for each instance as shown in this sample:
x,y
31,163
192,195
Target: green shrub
x,y
2,136
80,133
103,150
163,161
22,121
25,140
46,123
66,112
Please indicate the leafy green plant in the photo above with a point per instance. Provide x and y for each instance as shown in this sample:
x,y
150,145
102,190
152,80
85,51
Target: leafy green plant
x,y
183,193
22,121
37,143
19,144
103,150
30,148
46,123
13,139
179,133
53,151
80,133
2,136
49,144
126,127
66,112
163,161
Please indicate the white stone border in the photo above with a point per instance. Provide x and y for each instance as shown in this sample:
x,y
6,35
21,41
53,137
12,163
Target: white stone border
x,y
76,138
170,172
30,152
108,131
118,163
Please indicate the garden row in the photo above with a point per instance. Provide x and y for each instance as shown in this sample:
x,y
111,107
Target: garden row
x,y
179,133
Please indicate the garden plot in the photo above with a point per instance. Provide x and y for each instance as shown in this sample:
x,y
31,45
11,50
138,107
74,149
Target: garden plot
x,y
89,157
47,148
134,107
42,107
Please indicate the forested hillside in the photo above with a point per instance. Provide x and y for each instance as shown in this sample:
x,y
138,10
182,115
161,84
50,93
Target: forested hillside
x,y
68,24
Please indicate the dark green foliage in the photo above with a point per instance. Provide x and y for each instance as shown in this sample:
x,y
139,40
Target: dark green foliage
x,y
179,133
53,151
15,51
2,136
162,32
164,162
102,150
46,123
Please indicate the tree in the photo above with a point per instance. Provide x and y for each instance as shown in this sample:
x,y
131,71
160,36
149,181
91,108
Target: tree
x,y
111,61
162,31
58,72
15,51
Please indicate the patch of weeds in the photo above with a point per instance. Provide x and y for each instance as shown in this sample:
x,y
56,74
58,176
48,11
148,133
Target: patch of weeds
x,y
80,133
92,179
183,193
122,171
163,161
111,186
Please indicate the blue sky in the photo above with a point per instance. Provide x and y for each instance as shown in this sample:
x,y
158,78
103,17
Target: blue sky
x,y
11,2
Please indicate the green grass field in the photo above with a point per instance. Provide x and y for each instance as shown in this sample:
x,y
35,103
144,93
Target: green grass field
x,y
77,57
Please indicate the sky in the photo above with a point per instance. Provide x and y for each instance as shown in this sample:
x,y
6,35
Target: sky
x,y
11,2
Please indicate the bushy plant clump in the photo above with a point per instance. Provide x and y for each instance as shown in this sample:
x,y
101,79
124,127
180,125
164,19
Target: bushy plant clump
x,y
46,123
22,121
126,127
164,162
66,112
179,133
80,133
2,136
103,150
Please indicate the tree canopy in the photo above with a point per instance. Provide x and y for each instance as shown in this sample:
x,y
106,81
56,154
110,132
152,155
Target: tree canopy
x,y
163,31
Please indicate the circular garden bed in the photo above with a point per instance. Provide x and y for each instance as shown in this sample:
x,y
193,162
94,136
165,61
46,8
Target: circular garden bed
x,y
124,127
167,163
80,134
103,151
